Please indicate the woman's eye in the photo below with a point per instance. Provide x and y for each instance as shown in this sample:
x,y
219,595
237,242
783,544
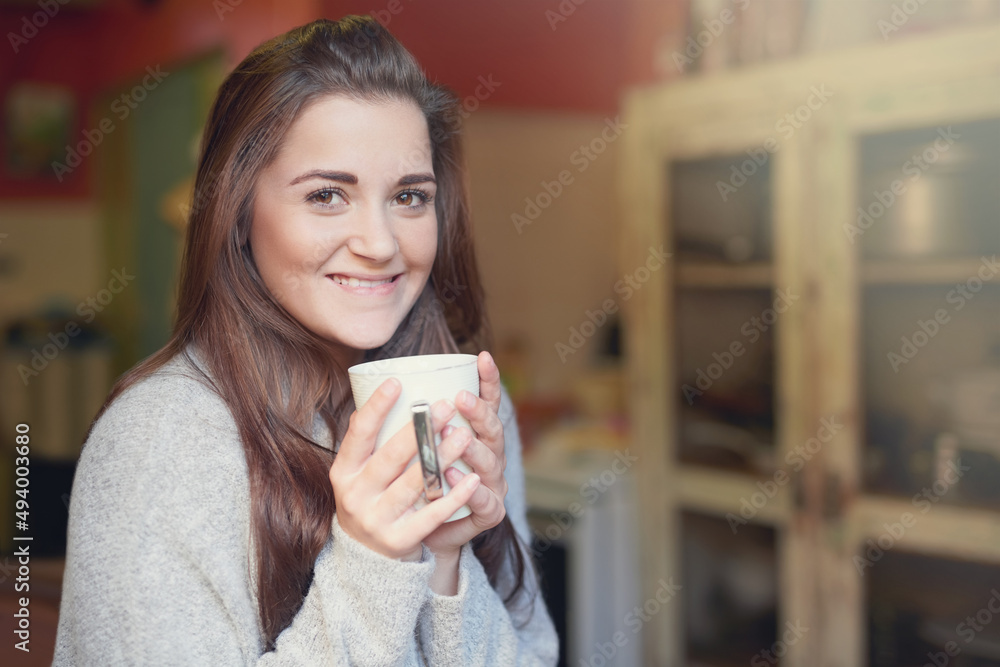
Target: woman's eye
x,y
324,197
413,198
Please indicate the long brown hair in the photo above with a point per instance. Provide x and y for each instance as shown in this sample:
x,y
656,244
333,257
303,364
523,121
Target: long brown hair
x,y
273,373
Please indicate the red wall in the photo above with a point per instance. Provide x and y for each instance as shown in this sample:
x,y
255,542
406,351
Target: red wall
x,y
540,60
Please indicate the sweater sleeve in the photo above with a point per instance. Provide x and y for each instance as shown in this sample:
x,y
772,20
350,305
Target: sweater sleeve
x,y
475,627
159,566
361,610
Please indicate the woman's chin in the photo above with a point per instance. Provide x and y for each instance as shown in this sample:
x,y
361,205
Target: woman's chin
x,y
357,345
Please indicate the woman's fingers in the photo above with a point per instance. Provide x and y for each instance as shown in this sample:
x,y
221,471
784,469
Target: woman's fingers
x,y
489,381
427,519
486,455
481,416
486,424
484,462
359,441
406,490
391,459
487,509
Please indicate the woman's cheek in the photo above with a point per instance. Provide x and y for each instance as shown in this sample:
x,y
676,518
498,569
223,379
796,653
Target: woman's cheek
x,y
427,245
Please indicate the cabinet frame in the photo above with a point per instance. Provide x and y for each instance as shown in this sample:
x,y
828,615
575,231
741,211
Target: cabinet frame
x,y
907,83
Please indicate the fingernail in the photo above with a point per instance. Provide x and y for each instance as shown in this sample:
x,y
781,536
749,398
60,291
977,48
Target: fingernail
x,y
390,385
446,431
443,409
467,399
489,357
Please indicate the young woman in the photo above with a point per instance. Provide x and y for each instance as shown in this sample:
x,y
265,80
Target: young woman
x,y
229,506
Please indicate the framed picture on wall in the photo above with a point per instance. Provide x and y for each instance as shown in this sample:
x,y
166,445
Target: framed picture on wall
x,y
38,120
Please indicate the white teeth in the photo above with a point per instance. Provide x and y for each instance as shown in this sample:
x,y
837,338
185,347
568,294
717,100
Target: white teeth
x,y
356,282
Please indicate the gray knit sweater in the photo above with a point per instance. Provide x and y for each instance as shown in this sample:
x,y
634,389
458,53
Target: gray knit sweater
x,y
159,567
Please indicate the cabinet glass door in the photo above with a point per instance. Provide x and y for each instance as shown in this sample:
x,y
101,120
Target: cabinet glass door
x,y
926,228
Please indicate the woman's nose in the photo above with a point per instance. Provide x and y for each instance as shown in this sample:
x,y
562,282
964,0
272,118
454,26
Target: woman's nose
x,y
373,236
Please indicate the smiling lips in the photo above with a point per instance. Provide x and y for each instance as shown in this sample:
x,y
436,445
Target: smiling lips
x,y
375,286
358,282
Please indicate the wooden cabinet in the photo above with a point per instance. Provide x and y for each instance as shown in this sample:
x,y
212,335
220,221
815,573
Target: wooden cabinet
x,y
815,377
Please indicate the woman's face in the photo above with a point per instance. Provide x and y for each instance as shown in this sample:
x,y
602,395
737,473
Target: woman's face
x,y
344,231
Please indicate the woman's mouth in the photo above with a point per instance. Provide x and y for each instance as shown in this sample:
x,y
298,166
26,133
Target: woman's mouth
x,y
359,282
374,285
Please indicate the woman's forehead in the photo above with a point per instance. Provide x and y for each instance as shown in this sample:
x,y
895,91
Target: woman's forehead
x,y
347,134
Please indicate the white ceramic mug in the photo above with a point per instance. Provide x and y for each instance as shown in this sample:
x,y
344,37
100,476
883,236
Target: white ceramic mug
x,y
429,377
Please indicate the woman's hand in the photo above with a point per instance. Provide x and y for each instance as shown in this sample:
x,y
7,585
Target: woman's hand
x,y
486,456
375,491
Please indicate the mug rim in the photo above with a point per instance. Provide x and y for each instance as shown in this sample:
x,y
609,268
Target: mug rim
x,y
461,359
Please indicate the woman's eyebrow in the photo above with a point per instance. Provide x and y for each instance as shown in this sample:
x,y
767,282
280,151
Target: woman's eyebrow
x,y
413,179
351,179
339,176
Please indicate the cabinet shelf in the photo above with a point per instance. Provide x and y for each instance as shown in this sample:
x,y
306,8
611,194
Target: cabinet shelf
x,y
724,276
944,530
720,492
920,272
